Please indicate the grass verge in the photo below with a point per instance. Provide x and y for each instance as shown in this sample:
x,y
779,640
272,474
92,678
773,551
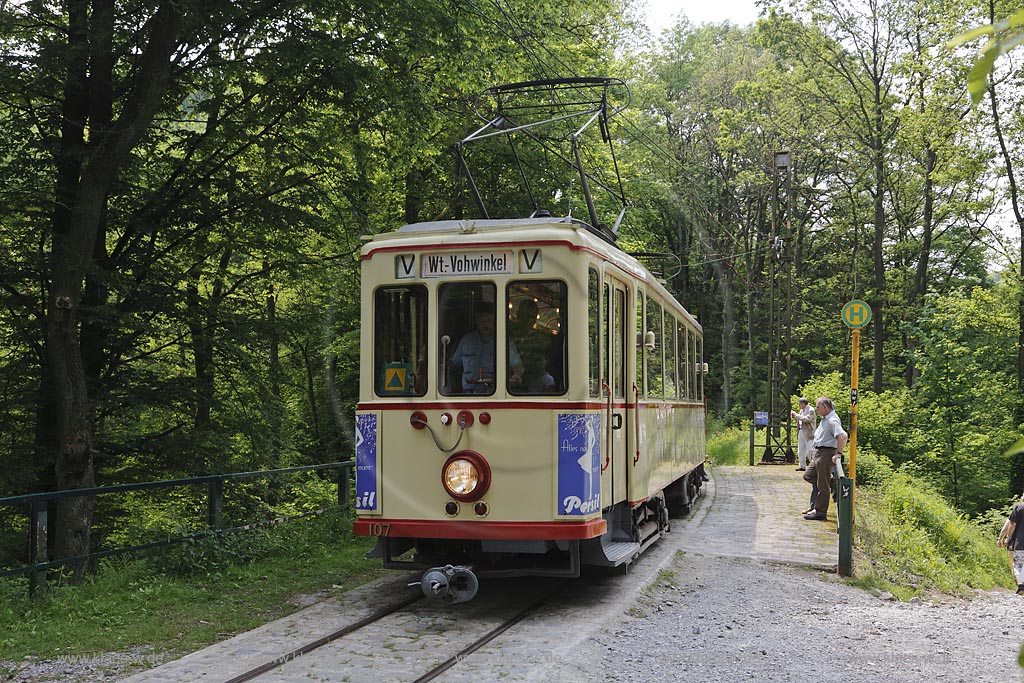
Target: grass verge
x,y
187,598
910,542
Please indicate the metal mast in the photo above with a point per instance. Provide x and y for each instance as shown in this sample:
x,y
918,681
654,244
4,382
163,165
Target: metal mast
x,y
778,442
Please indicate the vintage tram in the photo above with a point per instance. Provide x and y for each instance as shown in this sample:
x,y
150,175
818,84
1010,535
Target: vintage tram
x,y
531,401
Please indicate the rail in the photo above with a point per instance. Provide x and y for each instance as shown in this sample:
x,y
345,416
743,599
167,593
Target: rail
x,y
36,505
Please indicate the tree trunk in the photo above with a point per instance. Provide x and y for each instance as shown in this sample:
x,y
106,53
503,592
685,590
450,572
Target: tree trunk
x,y
878,305
728,334
314,410
203,319
85,172
1011,180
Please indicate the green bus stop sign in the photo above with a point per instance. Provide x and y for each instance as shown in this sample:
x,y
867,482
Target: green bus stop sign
x,y
856,314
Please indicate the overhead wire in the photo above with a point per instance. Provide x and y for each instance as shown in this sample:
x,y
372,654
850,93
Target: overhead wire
x,y
516,31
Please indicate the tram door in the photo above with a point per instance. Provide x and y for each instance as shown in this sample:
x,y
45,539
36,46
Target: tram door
x,y
617,374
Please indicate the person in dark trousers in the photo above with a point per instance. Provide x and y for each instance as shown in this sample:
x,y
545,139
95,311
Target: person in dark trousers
x,y
1011,537
829,441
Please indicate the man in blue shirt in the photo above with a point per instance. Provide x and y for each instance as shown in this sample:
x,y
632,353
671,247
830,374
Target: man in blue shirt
x,y
829,441
475,355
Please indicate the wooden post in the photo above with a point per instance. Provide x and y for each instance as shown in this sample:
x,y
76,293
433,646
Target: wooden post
x,y
751,444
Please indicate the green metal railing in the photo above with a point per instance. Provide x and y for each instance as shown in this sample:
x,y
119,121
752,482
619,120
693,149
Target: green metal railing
x,y
36,505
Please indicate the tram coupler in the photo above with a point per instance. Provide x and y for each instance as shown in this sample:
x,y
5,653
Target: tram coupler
x,y
449,583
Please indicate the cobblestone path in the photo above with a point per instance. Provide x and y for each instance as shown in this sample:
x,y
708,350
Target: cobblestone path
x,y
754,512
746,512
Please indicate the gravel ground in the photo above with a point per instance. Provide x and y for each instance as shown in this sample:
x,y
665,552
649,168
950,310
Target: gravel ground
x,y
733,619
721,619
107,666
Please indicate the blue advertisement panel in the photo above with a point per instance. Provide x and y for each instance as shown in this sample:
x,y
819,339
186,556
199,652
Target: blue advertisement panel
x,y
579,464
366,462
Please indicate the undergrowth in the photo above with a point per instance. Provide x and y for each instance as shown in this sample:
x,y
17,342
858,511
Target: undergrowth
x,y
729,446
187,598
910,541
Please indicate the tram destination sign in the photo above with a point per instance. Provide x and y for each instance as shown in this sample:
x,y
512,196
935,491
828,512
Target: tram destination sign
x,y
467,263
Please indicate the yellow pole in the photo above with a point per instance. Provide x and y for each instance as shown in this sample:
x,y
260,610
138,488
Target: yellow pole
x,y
854,400
853,404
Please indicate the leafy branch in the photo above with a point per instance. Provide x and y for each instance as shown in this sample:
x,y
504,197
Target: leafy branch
x,y
1004,36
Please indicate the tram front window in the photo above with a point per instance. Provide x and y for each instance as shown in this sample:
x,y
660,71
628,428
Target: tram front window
x,y
400,341
536,339
468,340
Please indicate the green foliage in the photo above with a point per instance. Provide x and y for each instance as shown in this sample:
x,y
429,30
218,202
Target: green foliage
x,y
889,424
131,603
909,537
833,385
952,429
220,316
872,469
729,446
1004,35
211,555
966,396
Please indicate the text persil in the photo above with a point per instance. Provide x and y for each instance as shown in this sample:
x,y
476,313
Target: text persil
x,y
571,503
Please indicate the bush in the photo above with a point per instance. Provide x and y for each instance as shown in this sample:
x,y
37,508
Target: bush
x,y
729,446
211,555
872,469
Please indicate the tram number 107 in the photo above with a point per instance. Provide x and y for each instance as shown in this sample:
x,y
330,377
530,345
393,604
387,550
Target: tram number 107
x,y
380,529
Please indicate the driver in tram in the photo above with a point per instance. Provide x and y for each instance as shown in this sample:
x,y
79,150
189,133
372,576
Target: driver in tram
x,y
475,355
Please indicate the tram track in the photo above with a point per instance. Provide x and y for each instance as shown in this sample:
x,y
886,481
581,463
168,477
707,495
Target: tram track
x,y
491,634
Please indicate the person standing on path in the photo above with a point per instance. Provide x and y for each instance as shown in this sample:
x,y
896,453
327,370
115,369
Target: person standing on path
x,y
829,441
1011,537
805,421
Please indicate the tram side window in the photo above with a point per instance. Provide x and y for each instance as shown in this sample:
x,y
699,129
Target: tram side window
x,y
670,356
596,346
641,351
467,340
655,386
619,344
536,338
400,341
681,337
691,350
700,369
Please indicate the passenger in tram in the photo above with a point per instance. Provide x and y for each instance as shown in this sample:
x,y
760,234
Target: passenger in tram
x,y
533,345
475,355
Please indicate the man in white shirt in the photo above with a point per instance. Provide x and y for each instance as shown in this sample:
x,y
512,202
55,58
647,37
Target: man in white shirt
x,y
829,441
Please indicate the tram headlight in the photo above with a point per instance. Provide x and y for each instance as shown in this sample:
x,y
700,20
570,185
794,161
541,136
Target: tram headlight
x,y
461,477
466,476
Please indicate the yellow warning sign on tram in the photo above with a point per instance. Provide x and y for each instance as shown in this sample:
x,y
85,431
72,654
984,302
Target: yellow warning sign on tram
x,y
856,314
396,378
